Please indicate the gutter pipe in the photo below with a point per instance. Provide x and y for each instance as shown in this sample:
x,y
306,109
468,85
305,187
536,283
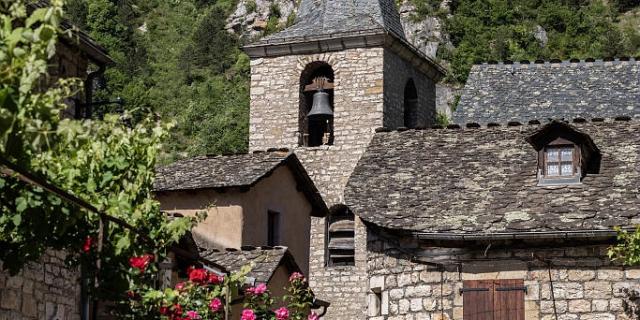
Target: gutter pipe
x,y
573,234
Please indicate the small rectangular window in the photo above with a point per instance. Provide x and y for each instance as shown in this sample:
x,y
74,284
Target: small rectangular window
x,y
559,161
273,233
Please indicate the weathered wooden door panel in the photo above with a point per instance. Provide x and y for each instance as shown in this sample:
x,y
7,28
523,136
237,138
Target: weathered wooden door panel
x,y
508,300
478,301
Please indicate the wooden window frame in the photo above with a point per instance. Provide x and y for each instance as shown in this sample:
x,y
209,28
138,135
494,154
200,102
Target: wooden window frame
x,y
559,143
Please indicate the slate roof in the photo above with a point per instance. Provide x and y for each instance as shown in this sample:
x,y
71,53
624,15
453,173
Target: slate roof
x,y
317,19
484,181
501,93
234,171
217,171
264,260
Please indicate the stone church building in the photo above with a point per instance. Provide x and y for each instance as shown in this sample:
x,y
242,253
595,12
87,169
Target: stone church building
x,y
505,214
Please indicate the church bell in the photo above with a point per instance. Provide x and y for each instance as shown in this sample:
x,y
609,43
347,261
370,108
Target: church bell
x,y
321,107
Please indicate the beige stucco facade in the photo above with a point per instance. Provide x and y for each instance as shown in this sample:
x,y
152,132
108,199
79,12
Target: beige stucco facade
x,y
238,216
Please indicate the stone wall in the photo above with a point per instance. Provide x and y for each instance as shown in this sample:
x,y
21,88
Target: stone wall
x,y
397,72
586,285
45,290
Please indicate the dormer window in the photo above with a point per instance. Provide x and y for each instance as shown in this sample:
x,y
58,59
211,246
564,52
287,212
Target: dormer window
x,y
565,155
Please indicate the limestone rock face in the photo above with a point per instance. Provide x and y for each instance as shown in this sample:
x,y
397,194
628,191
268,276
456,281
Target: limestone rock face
x,y
250,18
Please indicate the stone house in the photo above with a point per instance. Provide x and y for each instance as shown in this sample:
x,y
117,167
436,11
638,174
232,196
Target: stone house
x,y
505,214
258,199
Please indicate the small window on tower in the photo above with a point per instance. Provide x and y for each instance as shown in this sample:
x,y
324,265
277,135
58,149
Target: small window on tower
x,y
340,238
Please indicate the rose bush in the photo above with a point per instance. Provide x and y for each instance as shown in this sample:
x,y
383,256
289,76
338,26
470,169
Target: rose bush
x,y
207,296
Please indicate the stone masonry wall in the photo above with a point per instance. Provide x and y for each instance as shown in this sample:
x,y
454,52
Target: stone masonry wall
x,y
45,290
586,285
397,72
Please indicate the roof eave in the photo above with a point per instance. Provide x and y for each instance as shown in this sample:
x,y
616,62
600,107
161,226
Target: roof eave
x,y
378,37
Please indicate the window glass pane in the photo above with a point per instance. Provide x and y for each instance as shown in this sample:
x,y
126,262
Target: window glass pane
x,y
552,155
553,169
567,168
567,154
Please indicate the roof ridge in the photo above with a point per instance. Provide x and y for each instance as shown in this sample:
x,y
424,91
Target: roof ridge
x,y
515,123
556,62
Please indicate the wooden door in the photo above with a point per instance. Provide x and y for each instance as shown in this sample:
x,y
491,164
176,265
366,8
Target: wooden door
x,y
493,300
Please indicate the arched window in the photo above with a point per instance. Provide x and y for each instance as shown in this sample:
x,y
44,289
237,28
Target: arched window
x,y
316,81
340,237
410,105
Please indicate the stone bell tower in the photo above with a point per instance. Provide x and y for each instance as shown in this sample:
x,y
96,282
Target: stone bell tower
x,y
350,60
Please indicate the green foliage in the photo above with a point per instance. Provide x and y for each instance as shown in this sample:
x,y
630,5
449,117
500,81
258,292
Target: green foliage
x,y
105,163
442,119
627,250
504,30
180,63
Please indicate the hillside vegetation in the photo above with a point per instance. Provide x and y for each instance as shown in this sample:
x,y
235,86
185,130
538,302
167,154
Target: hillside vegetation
x,y
175,58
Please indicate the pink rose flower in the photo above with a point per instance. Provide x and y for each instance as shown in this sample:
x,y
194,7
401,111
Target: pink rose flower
x,y
193,314
248,314
313,316
180,286
296,276
260,289
215,305
282,314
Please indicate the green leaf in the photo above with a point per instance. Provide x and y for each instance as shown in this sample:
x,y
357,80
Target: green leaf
x,y
123,244
36,16
21,204
17,220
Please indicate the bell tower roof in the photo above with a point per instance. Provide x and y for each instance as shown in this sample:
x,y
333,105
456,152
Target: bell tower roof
x,y
338,19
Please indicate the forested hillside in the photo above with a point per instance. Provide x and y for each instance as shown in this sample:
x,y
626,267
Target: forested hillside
x,y
180,59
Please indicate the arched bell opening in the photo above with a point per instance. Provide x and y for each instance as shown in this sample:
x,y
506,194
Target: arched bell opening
x,y
316,105
340,237
410,105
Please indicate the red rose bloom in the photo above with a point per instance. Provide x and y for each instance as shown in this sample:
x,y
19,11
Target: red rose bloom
x,y
213,278
87,244
198,275
141,262
177,310
164,311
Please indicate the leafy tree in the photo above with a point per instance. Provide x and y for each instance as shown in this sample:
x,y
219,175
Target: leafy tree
x,y
104,163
